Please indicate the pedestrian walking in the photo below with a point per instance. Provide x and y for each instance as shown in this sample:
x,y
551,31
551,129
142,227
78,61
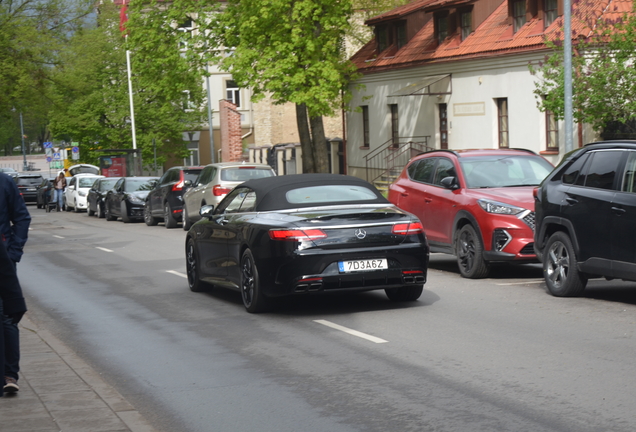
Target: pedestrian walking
x,y
59,186
14,229
12,308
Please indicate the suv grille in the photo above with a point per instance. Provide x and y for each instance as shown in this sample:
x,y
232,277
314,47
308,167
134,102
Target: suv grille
x,y
529,220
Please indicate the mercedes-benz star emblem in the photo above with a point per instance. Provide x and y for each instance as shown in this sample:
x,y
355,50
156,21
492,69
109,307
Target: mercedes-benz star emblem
x,y
360,233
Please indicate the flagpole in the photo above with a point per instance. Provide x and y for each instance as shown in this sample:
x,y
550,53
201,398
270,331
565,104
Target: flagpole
x,y
130,95
122,21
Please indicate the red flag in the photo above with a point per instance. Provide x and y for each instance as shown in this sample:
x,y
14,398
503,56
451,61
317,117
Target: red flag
x,y
123,17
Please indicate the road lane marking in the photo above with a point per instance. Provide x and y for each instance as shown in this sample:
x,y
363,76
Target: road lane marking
x,y
521,283
103,249
176,273
350,331
57,236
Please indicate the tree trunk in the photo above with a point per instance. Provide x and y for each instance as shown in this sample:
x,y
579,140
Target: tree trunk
x,y
305,139
321,157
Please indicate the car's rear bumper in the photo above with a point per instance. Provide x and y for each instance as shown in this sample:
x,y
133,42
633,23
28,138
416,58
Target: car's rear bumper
x,y
317,271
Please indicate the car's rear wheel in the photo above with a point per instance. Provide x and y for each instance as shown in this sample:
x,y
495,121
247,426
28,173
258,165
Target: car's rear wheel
x,y
168,218
100,210
251,290
560,272
192,268
186,220
405,293
470,254
148,217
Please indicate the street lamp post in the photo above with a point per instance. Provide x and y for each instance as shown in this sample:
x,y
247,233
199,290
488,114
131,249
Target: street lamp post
x,y
24,167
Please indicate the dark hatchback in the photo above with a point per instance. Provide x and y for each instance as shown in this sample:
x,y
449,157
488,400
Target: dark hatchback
x,y
28,185
307,234
165,200
97,194
586,217
126,198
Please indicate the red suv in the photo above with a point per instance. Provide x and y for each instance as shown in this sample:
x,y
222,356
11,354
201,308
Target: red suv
x,y
475,204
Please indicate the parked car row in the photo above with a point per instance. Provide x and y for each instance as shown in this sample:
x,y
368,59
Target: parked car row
x,y
483,206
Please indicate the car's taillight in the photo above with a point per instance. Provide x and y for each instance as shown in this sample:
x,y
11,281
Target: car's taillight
x,y
218,190
407,228
297,235
179,185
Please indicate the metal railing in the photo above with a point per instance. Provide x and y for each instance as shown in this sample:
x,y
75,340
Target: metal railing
x,y
391,156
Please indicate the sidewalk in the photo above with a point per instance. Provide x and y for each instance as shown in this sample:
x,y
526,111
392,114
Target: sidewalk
x,y
59,392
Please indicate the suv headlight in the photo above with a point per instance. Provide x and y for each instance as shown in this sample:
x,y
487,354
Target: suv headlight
x,y
81,193
497,207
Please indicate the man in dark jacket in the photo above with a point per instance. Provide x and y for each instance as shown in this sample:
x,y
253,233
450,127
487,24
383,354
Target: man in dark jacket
x,y
14,230
12,308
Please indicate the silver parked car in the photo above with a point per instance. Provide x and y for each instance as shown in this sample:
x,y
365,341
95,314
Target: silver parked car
x,y
214,182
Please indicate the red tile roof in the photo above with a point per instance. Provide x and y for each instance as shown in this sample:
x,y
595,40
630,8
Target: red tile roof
x,y
494,37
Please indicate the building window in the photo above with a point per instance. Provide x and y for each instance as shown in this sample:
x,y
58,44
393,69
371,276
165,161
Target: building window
x,y
552,131
400,34
382,36
443,127
186,27
395,135
442,28
233,93
518,14
502,116
466,24
550,12
365,126
193,157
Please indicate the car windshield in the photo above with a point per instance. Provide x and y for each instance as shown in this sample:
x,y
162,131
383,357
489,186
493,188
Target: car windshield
x,y
28,181
245,173
329,194
86,182
106,185
504,171
133,185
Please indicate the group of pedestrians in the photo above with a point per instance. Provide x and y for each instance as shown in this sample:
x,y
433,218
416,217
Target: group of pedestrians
x,y
14,229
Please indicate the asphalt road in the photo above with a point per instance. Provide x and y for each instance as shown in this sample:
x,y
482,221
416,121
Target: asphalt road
x,y
497,354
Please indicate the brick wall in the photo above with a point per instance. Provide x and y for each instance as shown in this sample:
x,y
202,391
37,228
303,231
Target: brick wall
x,y
231,143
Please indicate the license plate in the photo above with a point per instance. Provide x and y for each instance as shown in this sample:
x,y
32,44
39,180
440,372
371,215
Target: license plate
x,y
362,265
30,190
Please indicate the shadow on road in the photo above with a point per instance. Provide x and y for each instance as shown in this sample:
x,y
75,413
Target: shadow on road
x,y
329,304
448,263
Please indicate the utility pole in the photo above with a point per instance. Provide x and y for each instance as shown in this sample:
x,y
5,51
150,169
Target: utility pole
x,y
567,74
24,166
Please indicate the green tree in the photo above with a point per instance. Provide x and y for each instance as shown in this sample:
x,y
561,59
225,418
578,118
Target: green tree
x,y
92,98
292,50
604,76
31,34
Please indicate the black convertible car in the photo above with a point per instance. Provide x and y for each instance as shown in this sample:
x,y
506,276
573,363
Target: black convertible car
x,y
303,234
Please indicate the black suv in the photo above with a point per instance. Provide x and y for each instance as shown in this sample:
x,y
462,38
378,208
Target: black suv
x,y
165,201
28,185
586,217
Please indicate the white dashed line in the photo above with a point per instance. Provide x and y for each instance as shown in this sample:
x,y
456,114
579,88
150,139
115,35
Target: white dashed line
x,y
57,236
176,273
103,249
351,332
521,283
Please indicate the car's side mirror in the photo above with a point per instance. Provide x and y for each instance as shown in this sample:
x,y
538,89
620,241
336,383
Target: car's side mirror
x,y
206,211
450,183
187,183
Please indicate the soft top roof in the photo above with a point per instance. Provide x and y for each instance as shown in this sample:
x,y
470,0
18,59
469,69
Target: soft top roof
x,y
270,191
